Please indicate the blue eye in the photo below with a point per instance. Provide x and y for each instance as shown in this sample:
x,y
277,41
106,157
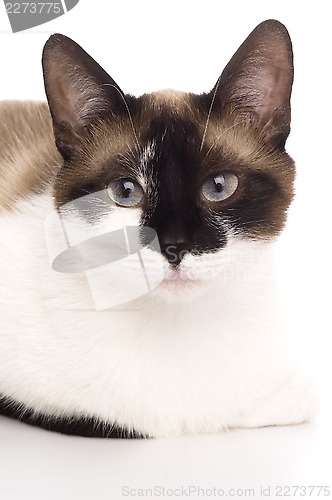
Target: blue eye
x,y
125,192
220,187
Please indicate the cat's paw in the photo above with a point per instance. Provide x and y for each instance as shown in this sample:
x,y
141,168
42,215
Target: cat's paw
x,y
295,401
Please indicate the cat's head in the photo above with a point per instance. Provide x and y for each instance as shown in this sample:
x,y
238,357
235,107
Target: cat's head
x,y
202,171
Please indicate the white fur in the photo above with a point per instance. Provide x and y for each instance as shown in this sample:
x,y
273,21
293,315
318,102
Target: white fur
x,y
199,353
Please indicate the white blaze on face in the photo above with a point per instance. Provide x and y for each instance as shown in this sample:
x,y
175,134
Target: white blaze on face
x,y
144,177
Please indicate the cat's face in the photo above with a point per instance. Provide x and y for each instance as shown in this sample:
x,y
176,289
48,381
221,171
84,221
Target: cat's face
x,y
203,171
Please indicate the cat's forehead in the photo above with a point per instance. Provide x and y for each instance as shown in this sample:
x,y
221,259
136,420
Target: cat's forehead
x,y
155,122
151,113
174,109
175,100
178,123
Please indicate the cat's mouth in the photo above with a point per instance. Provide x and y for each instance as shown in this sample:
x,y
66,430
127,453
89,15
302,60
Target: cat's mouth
x,y
180,285
179,275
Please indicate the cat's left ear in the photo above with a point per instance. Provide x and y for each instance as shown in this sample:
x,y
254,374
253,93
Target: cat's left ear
x,y
78,90
257,81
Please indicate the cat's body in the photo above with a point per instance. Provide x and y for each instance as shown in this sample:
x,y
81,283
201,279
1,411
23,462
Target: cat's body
x,y
200,352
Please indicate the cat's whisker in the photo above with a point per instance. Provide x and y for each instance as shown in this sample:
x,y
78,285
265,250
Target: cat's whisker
x,y
217,139
128,158
128,111
209,113
164,134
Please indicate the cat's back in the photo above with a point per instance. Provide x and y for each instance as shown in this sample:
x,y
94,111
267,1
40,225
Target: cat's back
x,y
28,156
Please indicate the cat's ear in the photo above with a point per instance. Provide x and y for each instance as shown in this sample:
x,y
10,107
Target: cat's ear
x,y
257,81
78,90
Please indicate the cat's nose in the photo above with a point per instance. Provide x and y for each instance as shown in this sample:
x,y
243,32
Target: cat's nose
x,y
174,252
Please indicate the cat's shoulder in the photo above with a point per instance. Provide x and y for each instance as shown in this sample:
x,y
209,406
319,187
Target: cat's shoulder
x,y
28,156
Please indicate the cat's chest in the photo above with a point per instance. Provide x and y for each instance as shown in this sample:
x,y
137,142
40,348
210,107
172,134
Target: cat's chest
x,y
133,367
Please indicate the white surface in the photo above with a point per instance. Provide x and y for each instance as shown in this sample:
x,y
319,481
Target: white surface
x,y
185,45
36,464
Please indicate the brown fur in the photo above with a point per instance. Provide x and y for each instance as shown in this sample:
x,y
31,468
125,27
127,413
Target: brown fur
x,y
28,156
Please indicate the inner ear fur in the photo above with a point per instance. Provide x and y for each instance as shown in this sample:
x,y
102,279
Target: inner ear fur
x,y
78,91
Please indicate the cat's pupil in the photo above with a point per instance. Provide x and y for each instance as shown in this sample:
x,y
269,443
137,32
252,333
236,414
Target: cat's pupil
x,y
219,183
127,188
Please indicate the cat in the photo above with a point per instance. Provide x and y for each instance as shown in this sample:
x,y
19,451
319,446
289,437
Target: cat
x,y
202,185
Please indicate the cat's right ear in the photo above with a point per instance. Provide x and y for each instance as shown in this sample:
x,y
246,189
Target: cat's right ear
x,y
78,90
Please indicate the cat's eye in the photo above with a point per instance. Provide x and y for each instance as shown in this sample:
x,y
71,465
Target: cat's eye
x,y
125,192
220,187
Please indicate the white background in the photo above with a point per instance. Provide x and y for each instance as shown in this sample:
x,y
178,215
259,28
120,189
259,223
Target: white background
x,y
185,45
